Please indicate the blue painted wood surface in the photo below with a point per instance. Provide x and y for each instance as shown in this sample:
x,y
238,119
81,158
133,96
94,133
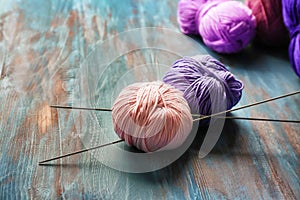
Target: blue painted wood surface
x,y
42,44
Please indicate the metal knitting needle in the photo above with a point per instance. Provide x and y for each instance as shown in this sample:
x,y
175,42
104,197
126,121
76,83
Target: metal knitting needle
x,y
201,118
213,115
249,105
81,151
261,119
194,115
80,108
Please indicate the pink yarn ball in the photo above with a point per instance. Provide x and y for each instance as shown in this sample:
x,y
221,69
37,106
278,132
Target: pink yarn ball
x,y
152,116
270,28
225,26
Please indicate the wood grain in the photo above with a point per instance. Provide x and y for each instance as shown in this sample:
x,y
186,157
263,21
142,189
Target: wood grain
x,y
42,44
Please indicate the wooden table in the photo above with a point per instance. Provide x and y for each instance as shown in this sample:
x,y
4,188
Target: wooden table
x,y
42,45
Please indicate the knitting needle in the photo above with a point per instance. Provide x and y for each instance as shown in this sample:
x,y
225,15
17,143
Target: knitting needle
x,y
80,108
194,115
261,119
81,151
204,117
216,114
249,105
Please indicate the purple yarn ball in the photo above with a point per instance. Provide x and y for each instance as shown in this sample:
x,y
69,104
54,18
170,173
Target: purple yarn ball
x,y
205,82
291,17
225,26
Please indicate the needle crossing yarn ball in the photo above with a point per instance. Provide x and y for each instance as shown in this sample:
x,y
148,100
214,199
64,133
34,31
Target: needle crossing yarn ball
x,y
291,16
225,26
205,82
152,116
270,29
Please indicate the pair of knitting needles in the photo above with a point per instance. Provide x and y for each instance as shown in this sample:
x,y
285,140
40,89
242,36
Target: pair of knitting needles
x,y
197,119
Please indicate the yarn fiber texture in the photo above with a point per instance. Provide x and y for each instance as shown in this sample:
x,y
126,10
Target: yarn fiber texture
x,y
291,16
152,116
225,26
270,29
205,82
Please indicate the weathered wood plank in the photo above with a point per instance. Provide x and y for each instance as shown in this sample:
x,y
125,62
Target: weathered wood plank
x,y
42,44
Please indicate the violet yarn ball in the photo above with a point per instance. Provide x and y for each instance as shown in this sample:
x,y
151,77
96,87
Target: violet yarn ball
x,y
205,82
225,26
291,17
270,29
152,116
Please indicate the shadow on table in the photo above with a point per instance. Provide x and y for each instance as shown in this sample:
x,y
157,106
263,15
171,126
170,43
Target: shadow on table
x,y
249,56
253,57
228,144
176,169
225,143
179,168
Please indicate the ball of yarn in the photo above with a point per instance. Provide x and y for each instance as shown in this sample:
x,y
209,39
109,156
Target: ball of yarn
x,y
225,26
270,29
291,16
205,82
152,116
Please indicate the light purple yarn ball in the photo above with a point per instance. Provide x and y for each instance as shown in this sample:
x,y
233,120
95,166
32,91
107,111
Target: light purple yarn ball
x,y
205,82
225,26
